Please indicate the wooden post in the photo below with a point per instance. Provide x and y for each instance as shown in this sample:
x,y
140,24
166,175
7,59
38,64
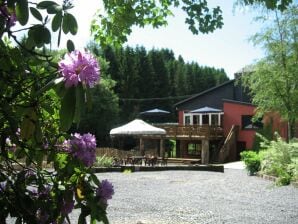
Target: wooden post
x,y
162,149
142,151
205,151
178,148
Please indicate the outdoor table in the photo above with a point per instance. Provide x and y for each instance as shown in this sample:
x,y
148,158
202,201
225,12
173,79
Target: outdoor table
x,y
134,160
137,160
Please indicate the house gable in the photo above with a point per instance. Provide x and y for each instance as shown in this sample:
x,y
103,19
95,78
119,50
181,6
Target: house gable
x,y
213,97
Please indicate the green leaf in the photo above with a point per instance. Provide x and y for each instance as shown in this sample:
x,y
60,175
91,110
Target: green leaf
x,y
60,89
74,178
36,13
40,35
34,33
28,124
46,35
93,220
57,20
61,160
95,179
48,108
80,98
45,4
2,24
30,41
22,12
67,110
65,23
88,99
53,9
73,25
82,219
69,24
49,85
70,46
38,132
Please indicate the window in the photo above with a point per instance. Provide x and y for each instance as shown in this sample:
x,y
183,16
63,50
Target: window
x,y
205,118
214,119
249,124
187,119
196,119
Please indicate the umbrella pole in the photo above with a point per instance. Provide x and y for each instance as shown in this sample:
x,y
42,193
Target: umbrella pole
x,y
142,151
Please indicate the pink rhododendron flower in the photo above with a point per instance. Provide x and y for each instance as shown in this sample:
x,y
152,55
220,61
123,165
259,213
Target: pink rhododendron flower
x,y
79,67
83,148
105,191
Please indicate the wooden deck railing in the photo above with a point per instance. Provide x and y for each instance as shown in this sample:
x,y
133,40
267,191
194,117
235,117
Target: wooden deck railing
x,y
228,150
192,131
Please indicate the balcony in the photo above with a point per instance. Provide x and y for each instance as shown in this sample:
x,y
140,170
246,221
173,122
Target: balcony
x,y
192,132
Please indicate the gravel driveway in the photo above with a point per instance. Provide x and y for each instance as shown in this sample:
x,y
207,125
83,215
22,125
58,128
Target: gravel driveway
x,y
199,197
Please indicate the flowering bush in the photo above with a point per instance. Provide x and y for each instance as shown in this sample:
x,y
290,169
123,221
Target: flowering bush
x,y
40,100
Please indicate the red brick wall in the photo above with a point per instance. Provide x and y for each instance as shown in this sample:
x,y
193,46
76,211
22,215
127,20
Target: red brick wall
x,y
180,117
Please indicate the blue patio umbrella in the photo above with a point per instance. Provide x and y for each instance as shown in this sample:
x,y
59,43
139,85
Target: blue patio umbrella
x,y
155,112
206,110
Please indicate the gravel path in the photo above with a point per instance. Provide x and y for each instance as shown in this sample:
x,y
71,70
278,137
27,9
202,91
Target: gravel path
x,y
182,197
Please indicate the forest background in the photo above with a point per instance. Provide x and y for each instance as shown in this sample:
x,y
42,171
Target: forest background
x,y
136,80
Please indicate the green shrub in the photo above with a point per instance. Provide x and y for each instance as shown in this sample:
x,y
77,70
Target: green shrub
x,y
280,159
252,161
104,161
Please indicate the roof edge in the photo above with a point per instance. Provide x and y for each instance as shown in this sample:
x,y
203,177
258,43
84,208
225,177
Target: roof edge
x,y
238,102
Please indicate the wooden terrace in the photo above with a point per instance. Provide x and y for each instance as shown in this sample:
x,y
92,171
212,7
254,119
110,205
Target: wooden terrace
x,y
192,132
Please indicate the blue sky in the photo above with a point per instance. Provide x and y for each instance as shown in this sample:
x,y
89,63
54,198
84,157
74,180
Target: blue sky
x,y
226,48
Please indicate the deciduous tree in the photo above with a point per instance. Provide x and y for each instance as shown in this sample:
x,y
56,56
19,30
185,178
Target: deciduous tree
x,y
274,81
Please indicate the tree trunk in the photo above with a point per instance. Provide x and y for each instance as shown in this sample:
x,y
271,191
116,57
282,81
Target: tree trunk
x,y
291,128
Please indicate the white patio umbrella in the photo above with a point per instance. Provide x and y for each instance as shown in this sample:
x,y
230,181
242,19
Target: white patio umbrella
x,y
137,127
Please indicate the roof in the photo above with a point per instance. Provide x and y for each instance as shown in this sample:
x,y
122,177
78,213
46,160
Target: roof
x,y
137,127
205,110
204,92
155,111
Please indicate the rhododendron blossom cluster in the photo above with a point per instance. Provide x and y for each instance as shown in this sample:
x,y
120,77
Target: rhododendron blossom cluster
x,y
105,191
79,67
83,148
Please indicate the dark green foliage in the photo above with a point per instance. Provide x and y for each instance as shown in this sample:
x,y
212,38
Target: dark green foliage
x,y
155,78
271,4
22,11
266,132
